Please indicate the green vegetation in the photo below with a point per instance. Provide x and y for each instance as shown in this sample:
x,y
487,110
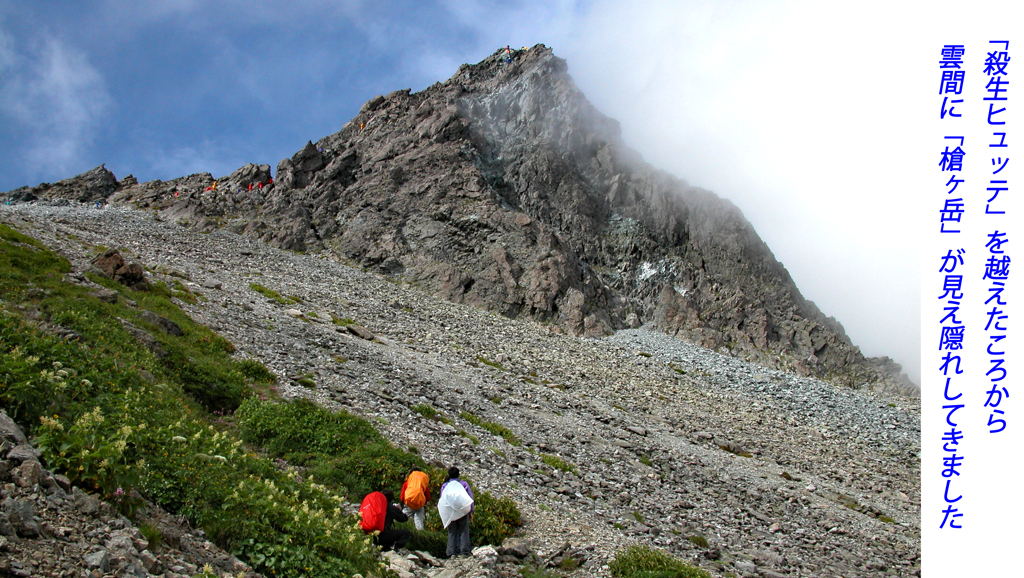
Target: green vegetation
x,y
886,519
643,354
116,415
470,437
639,517
646,461
182,292
532,571
496,429
154,537
647,562
341,450
735,449
426,410
486,361
699,541
558,463
568,564
256,371
270,293
342,321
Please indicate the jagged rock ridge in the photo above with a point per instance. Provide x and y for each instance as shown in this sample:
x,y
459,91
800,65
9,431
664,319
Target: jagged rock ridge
x,y
504,188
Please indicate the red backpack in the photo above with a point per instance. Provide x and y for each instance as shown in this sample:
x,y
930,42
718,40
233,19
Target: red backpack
x,y
372,512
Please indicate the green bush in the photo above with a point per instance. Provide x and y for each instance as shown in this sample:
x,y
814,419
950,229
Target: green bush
x,y
495,428
490,363
270,293
494,519
433,542
647,562
256,371
557,463
425,409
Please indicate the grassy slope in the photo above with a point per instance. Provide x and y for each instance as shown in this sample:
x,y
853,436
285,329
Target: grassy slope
x,y
110,413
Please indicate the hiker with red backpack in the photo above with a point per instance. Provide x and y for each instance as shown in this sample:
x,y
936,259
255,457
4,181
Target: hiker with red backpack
x,y
415,494
456,509
378,514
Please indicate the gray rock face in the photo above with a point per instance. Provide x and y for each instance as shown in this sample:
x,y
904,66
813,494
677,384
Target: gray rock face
x,y
22,516
94,185
504,188
10,430
100,560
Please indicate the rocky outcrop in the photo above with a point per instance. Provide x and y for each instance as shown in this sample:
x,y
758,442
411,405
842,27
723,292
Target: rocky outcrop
x,y
504,188
111,264
94,185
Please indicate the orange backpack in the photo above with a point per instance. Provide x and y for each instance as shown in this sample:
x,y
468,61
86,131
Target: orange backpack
x,y
415,495
372,511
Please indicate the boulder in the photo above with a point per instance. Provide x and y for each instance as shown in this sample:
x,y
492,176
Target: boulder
x,y
22,516
10,430
98,560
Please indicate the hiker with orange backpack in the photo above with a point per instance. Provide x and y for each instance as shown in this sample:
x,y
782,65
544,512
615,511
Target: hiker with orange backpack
x,y
415,494
377,514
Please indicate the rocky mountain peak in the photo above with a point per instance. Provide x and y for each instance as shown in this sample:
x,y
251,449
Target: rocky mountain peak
x,y
504,188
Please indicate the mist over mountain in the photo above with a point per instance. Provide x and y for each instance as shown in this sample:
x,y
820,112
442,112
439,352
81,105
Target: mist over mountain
x,y
504,188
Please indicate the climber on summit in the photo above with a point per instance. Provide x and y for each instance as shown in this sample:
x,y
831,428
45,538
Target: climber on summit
x,y
508,53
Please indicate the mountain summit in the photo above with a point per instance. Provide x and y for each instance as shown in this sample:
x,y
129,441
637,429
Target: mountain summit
x,y
504,188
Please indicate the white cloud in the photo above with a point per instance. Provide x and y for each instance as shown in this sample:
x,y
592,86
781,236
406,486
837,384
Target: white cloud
x,y
786,110
209,156
52,92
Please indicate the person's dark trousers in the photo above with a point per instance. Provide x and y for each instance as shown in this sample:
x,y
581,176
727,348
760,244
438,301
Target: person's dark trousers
x,y
458,537
393,539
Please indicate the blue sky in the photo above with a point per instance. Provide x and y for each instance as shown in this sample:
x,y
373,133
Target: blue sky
x,y
799,112
164,88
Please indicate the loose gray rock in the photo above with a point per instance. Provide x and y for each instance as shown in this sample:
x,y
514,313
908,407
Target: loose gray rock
x,y
99,560
163,323
22,516
11,430
23,452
